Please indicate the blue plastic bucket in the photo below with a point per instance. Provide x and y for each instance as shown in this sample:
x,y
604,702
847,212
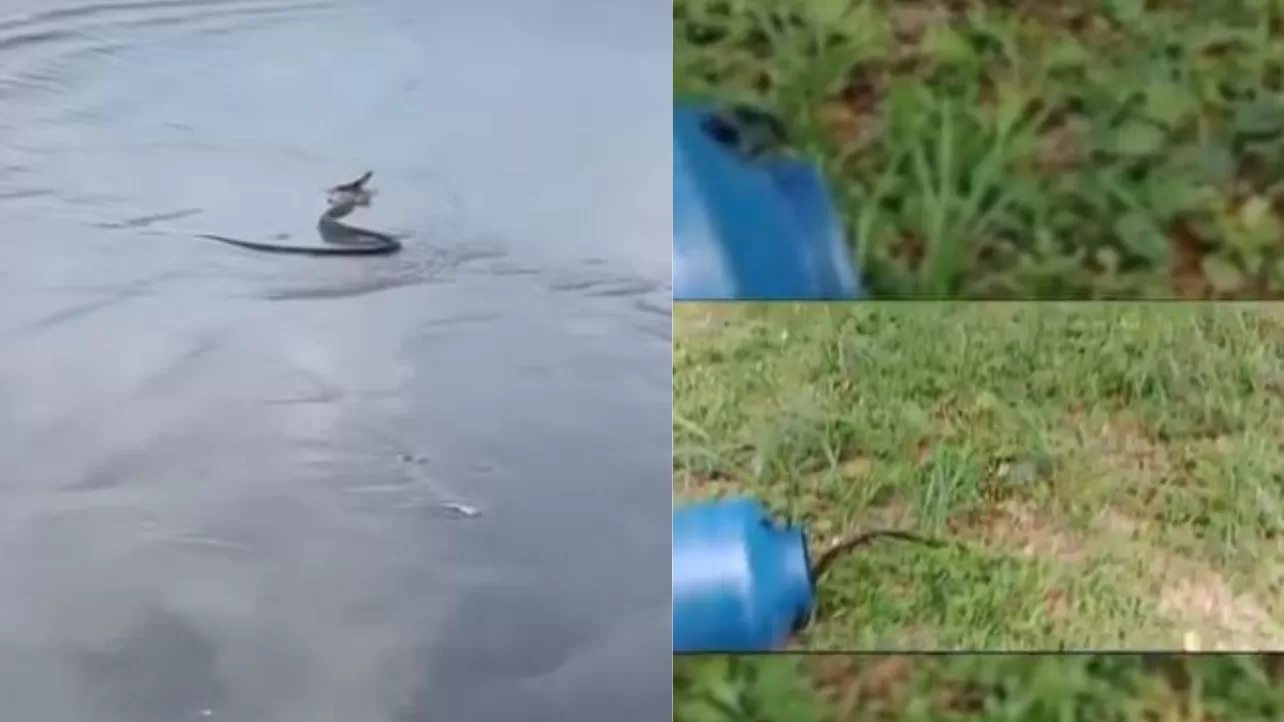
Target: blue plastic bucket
x,y
741,581
751,228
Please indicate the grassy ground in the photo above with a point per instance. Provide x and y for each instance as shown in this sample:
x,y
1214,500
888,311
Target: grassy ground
x,y
1024,148
979,688
1115,470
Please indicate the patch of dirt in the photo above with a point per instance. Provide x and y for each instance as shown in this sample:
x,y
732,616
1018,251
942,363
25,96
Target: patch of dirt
x,y
1061,148
1187,269
1123,445
1271,313
886,516
1119,525
704,486
699,318
856,466
853,469
848,680
1216,617
1019,525
911,21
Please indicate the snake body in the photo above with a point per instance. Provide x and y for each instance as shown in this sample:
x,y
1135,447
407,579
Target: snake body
x,y
339,239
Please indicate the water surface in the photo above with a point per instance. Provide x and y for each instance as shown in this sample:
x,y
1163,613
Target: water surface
x,y
225,471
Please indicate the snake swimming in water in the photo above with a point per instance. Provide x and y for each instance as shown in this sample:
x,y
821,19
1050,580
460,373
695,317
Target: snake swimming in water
x,y
339,239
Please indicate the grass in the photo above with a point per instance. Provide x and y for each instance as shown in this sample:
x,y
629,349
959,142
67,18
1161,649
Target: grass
x,y
1024,148
979,688
1115,472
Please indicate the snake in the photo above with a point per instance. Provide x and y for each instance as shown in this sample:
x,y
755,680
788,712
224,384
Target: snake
x,y
338,238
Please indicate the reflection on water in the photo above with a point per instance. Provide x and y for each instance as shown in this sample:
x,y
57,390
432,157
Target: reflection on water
x,y
428,486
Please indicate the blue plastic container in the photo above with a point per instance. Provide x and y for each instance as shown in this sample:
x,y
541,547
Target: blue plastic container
x,y
751,228
741,581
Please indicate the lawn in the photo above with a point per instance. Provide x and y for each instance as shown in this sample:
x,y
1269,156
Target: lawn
x,y
1114,473
1023,148
979,688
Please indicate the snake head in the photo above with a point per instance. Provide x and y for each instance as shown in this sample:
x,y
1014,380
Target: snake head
x,y
354,186
354,193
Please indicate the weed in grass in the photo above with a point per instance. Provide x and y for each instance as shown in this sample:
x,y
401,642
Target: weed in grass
x,y
713,688
1021,149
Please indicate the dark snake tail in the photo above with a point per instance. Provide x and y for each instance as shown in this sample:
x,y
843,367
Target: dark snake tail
x,y
388,245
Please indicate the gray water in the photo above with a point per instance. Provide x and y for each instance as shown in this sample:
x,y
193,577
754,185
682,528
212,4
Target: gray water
x,y
228,476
